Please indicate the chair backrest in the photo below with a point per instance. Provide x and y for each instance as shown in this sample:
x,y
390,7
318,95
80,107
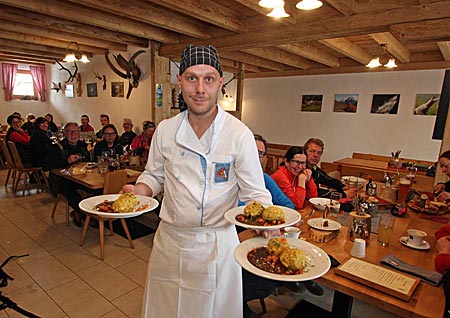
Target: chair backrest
x,y
6,153
15,155
114,181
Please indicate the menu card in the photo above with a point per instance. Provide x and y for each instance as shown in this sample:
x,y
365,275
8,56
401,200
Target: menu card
x,y
383,279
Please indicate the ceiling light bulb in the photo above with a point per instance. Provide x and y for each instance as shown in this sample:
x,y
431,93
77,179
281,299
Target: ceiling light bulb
x,y
271,3
375,62
70,57
84,59
391,63
278,12
309,4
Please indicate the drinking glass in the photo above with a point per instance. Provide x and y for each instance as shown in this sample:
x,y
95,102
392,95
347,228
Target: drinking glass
x,y
335,205
403,188
385,229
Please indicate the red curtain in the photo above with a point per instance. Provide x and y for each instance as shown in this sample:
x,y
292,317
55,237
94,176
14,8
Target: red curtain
x,y
9,77
38,75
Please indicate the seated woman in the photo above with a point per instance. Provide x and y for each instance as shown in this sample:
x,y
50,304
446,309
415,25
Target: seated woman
x,y
442,262
109,143
141,144
442,190
294,179
19,136
40,143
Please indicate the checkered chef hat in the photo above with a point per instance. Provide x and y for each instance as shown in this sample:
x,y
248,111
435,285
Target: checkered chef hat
x,y
194,55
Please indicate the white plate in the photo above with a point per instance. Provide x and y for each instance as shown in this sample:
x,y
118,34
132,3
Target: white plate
x,y
425,245
317,223
88,205
319,260
290,217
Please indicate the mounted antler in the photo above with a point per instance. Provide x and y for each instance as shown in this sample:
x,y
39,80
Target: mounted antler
x,y
71,76
132,71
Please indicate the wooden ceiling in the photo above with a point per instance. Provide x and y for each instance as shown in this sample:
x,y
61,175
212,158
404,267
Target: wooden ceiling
x,y
340,37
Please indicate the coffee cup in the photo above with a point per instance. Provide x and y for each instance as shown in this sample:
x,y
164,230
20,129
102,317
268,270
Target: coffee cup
x,y
358,248
415,237
292,232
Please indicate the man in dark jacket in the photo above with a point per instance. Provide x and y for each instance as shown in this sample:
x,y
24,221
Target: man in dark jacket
x,y
63,154
313,149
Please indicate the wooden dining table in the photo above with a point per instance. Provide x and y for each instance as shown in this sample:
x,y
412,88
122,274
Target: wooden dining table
x,y
92,179
426,301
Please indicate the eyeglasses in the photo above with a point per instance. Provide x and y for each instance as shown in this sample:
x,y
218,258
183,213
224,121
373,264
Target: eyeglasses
x,y
109,134
298,162
72,132
261,153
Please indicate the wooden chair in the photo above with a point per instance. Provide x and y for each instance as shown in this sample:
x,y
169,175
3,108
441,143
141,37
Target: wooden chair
x,y
114,181
25,170
9,163
60,197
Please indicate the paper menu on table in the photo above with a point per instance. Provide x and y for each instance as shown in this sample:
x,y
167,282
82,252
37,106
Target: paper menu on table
x,y
378,277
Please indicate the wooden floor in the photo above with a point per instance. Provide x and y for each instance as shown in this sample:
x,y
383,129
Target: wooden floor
x,y
61,279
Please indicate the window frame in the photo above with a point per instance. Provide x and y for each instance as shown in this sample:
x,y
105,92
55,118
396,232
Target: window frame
x,y
26,70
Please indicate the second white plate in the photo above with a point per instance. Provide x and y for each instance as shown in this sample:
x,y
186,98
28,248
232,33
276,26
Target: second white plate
x,y
425,245
291,217
317,223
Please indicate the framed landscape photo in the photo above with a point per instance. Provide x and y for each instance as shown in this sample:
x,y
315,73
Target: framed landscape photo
x,y
426,104
385,103
345,103
69,91
91,89
311,103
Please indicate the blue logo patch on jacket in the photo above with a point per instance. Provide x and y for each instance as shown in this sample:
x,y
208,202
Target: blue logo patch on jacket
x,y
221,172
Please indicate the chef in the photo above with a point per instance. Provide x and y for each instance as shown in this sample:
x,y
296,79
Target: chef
x,y
205,160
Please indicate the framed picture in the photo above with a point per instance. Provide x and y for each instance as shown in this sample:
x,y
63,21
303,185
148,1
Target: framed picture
x,y
426,104
345,103
69,91
117,89
91,89
385,103
159,95
175,93
312,103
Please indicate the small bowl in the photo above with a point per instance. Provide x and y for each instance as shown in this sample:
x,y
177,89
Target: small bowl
x,y
320,203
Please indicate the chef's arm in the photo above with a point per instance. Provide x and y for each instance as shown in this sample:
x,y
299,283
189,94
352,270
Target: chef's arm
x,y
139,189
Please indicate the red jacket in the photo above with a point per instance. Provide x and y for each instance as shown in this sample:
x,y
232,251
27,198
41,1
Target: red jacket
x,y
288,183
442,260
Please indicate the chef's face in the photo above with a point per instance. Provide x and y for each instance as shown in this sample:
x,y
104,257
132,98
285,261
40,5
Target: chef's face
x,y
261,150
444,163
200,85
297,164
313,154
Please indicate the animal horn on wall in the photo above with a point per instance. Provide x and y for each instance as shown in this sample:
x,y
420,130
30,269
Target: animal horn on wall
x,y
71,76
131,71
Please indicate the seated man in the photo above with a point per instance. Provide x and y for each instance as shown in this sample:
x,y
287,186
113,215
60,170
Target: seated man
x,y
65,153
442,263
128,134
313,150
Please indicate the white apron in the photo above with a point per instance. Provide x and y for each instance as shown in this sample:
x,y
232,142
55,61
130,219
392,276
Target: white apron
x,y
194,282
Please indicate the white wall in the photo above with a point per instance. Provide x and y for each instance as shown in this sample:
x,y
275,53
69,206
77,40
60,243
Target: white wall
x,y
271,107
65,109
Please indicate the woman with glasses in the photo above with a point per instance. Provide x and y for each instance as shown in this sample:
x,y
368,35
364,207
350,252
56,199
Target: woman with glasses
x,y
109,143
141,144
294,179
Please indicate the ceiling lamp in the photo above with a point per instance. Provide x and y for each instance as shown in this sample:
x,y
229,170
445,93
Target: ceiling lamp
x,y
278,12
271,3
309,4
74,54
375,62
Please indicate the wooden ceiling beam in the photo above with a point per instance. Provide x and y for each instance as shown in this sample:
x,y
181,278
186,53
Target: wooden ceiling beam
x,y
358,24
394,47
147,13
30,52
254,60
16,57
234,65
280,56
98,18
349,49
23,61
210,11
62,25
34,39
344,7
444,47
60,35
423,30
35,47
25,55
311,52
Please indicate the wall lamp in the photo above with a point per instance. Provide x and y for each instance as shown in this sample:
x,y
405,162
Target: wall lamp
x,y
375,61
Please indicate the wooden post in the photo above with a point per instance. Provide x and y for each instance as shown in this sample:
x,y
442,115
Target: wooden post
x,y
239,90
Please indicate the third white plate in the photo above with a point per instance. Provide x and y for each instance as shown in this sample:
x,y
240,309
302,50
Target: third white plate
x,y
317,223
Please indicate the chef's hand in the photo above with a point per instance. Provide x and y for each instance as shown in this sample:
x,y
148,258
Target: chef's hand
x,y
268,233
443,245
438,188
443,196
139,189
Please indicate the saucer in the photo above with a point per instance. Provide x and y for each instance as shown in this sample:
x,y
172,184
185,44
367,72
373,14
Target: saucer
x,y
425,245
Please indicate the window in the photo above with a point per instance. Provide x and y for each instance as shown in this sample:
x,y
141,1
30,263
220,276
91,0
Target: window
x,y
23,86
